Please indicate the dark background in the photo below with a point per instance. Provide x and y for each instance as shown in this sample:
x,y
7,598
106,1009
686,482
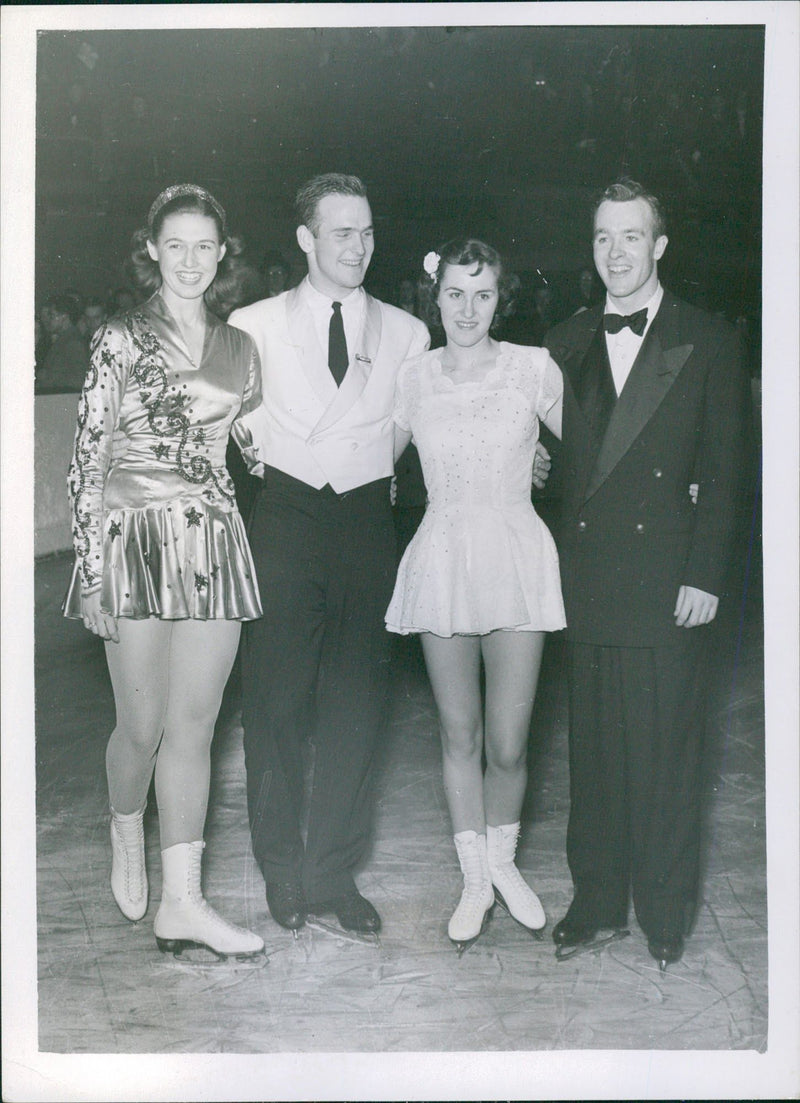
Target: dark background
x,y
501,132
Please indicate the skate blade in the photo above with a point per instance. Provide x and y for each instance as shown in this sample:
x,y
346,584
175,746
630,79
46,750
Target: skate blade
x,y
367,939
536,932
186,952
462,945
592,947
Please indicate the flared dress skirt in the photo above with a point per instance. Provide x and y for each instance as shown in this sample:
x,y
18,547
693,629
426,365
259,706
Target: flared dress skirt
x,y
181,559
475,570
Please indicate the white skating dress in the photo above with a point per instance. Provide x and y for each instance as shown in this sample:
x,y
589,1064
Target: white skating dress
x,y
482,559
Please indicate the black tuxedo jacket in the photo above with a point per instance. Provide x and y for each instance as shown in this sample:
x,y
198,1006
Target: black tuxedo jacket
x,y
629,534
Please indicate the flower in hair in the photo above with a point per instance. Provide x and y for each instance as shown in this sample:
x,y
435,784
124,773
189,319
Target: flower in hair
x,y
431,265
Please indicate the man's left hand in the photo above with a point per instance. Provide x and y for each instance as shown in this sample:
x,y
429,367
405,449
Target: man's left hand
x,y
541,465
694,607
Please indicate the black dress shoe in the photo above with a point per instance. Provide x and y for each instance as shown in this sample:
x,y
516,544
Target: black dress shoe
x,y
353,911
666,949
286,903
574,932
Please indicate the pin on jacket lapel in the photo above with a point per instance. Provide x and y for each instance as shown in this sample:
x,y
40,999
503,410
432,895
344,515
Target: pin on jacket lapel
x,y
361,363
336,401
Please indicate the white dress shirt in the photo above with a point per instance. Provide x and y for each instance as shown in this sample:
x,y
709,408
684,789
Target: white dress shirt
x,y
623,347
321,307
306,426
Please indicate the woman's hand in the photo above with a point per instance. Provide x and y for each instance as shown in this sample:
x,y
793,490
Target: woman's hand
x,y
102,624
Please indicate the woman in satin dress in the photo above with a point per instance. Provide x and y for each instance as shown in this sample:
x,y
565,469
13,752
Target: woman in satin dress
x,y
163,572
479,581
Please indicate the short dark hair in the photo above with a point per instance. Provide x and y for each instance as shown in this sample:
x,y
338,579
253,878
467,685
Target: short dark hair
x,y
623,191
467,251
306,202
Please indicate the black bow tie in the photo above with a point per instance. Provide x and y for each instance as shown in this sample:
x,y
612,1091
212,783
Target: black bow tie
x,y
613,323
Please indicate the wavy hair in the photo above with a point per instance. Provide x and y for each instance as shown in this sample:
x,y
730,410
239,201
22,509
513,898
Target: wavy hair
x,y
228,288
625,190
467,252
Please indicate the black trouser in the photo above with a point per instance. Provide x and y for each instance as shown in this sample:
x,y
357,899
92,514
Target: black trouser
x,y
316,666
637,720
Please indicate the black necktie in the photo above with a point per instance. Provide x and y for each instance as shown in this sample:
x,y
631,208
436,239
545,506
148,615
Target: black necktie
x,y
337,345
613,323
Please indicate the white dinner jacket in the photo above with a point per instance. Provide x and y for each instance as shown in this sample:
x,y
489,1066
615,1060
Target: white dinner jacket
x,y
307,426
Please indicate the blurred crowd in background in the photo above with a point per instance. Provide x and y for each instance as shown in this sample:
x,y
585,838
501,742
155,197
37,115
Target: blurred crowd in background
x,y
677,108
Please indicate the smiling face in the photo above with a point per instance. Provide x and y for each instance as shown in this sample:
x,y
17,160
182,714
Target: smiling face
x,y
467,302
626,253
340,246
187,252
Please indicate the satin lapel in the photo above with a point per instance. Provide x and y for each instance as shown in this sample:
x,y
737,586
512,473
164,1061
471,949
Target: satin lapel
x,y
654,371
313,359
577,365
358,371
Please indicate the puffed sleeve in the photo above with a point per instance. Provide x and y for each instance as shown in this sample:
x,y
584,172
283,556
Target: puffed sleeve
x,y
98,412
551,394
249,412
420,341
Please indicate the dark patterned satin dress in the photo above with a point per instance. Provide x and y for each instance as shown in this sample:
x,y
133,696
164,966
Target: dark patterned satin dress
x,y
156,528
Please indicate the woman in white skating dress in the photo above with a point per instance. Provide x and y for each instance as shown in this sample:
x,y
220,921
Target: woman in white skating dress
x,y
479,582
163,571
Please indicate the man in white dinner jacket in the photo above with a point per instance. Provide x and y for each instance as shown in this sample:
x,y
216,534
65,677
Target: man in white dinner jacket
x,y
315,666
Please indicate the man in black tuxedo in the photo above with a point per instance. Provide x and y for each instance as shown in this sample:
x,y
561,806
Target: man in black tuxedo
x,y
656,400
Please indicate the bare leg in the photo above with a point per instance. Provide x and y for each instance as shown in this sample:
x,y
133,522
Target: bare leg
x,y
512,661
454,671
139,678
200,661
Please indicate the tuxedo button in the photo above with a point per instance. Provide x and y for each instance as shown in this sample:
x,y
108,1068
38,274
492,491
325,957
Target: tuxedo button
x,y
640,527
657,472
581,526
